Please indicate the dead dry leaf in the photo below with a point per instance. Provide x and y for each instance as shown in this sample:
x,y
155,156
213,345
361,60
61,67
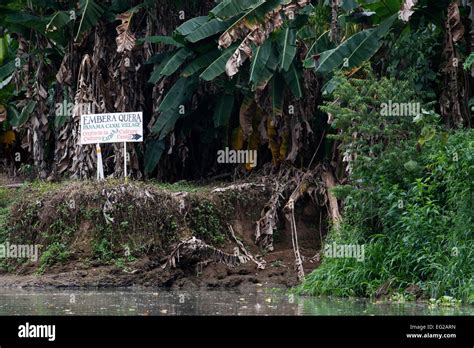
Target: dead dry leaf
x,y
407,10
125,39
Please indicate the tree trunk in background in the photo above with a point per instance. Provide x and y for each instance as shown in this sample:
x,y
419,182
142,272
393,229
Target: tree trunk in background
x,y
109,81
453,101
335,26
37,130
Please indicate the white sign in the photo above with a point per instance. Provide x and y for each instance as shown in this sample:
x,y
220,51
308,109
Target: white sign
x,y
121,127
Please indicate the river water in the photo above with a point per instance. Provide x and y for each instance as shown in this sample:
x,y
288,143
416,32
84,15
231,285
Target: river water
x,y
212,302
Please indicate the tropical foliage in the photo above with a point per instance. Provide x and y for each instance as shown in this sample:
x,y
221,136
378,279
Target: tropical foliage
x,y
251,58
302,82
409,201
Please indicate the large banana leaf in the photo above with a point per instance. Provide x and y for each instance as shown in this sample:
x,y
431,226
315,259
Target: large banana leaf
x,y
160,61
277,95
90,12
266,73
292,79
22,19
7,69
165,123
58,20
230,8
382,8
288,48
179,94
323,43
257,13
355,50
19,120
191,25
200,63
166,40
223,110
218,66
349,5
258,68
176,61
207,29
154,151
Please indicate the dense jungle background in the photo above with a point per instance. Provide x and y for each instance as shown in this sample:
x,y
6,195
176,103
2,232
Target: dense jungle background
x,y
359,109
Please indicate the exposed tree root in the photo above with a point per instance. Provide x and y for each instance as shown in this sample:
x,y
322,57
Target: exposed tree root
x,y
122,193
269,216
260,264
193,251
289,211
266,224
316,183
330,182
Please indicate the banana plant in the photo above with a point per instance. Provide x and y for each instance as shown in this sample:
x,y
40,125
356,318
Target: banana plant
x,y
381,17
253,42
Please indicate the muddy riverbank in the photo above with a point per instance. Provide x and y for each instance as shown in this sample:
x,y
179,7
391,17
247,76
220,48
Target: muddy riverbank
x,y
121,235
149,273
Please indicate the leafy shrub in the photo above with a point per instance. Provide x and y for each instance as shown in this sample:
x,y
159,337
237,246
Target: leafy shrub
x,y
206,222
55,253
413,58
409,200
102,250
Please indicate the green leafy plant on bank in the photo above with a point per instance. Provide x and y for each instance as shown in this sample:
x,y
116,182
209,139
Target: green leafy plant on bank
x,y
409,200
205,222
444,301
55,253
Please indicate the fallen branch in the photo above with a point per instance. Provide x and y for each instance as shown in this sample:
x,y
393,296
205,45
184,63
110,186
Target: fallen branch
x,y
260,264
194,250
11,186
238,187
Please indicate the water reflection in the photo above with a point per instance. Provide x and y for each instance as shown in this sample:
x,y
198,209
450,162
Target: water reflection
x,y
160,302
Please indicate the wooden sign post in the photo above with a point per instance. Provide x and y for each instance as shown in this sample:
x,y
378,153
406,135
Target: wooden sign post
x,y
111,128
100,167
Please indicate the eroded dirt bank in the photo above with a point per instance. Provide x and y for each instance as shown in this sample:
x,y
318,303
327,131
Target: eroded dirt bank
x,y
115,235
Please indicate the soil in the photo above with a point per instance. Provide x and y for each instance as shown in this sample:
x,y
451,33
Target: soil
x,y
145,272
83,271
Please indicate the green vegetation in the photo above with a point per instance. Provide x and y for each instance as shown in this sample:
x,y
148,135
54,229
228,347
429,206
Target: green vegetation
x,y
411,58
102,249
206,222
56,252
307,84
6,198
109,222
410,200
182,186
